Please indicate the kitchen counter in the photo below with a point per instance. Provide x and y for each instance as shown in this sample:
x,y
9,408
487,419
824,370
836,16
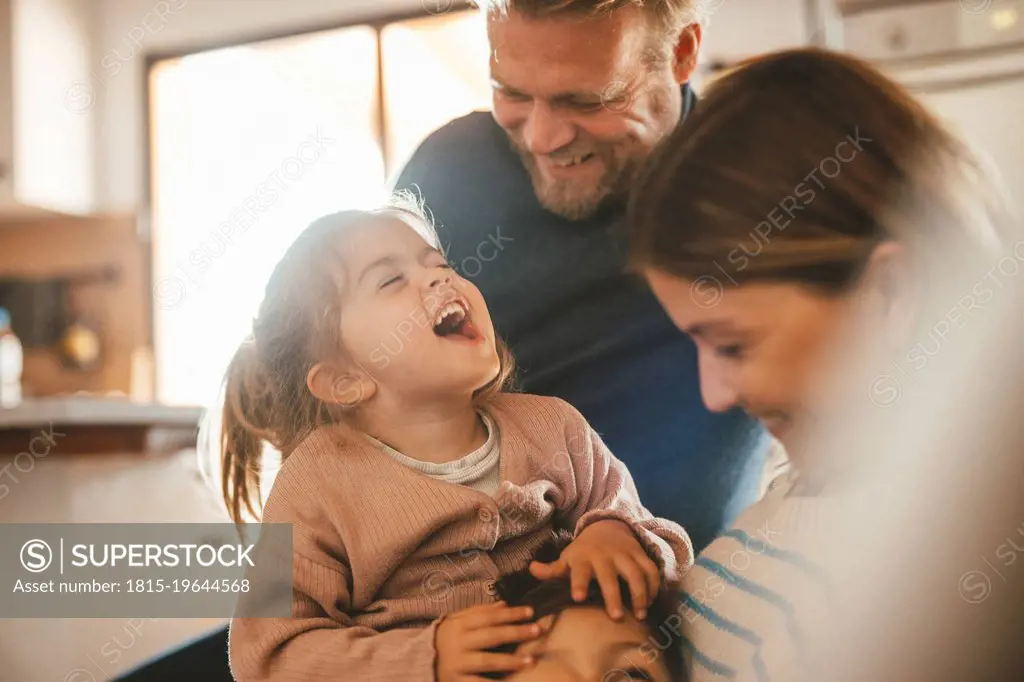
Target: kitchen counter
x,y
92,424
82,410
104,487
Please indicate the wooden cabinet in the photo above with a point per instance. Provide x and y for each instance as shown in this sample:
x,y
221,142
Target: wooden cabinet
x,y
47,141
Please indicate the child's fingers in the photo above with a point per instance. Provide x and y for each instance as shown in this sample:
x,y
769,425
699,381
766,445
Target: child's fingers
x,y
485,618
468,612
579,579
652,573
487,662
608,579
556,569
634,576
491,637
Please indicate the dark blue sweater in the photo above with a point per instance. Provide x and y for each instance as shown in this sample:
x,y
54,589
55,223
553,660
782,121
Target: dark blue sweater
x,y
583,330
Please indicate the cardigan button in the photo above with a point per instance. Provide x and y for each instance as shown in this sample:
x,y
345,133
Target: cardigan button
x,y
491,588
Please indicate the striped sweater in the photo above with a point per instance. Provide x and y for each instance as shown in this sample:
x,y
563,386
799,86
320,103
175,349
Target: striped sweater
x,y
750,602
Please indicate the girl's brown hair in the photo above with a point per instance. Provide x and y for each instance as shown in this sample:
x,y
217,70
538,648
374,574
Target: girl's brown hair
x,y
794,166
266,400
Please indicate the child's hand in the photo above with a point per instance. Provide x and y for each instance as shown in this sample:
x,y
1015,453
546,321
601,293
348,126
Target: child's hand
x,y
606,550
462,640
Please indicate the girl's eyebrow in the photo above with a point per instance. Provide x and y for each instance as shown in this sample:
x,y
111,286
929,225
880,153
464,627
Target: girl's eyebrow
x,y
425,253
385,260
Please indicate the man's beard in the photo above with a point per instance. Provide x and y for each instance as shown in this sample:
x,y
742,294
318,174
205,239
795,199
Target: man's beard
x,y
573,200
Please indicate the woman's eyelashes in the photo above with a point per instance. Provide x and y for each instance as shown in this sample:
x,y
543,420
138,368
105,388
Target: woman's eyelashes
x,y
732,351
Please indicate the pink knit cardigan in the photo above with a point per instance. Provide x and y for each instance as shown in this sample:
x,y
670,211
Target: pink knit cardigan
x,y
382,552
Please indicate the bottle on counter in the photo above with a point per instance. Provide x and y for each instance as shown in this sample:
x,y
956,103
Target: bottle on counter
x,y
11,361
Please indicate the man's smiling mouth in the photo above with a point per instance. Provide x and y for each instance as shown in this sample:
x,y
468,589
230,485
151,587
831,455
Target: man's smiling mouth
x,y
569,162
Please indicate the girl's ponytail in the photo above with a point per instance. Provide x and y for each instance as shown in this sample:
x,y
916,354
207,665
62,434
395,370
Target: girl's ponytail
x,y
243,433
266,401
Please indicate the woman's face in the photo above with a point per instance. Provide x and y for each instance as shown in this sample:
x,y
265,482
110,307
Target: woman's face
x,y
585,645
760,346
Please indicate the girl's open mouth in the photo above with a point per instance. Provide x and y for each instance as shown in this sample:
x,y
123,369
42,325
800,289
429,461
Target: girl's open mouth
x,y
453,322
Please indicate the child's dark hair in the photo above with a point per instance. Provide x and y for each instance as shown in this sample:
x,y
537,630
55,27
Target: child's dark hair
x,y
266,399
551,597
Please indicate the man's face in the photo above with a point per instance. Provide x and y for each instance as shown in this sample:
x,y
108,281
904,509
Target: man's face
x,y
584,101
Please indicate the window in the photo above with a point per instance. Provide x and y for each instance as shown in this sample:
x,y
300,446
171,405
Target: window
x,y
252,143
435,69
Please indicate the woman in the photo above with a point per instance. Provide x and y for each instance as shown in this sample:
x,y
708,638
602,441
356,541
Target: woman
x,y
807,205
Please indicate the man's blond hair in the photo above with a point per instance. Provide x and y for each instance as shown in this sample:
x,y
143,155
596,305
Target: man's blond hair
x,y
668,16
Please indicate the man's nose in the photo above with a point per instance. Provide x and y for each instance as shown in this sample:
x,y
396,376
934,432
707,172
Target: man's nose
x,y
545,131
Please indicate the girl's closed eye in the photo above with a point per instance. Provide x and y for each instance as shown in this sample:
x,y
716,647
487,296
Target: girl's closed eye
x,y
390,281
636,674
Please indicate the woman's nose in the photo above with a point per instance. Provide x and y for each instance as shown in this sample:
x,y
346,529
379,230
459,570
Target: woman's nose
x,y
716,389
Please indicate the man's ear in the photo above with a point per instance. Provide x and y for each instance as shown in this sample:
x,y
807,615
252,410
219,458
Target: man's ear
x,y
344,387
889,282
687,52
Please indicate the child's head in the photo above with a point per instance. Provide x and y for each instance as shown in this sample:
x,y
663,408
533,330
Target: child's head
x,y
583,643
362,317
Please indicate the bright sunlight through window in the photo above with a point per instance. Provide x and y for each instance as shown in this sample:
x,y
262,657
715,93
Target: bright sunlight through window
x,y
251,144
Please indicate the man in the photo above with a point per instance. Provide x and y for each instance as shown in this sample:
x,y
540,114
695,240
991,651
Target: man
x,y
528,200
529,204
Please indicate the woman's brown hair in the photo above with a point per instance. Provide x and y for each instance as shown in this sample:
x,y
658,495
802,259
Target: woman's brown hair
x,y
266,399
794,167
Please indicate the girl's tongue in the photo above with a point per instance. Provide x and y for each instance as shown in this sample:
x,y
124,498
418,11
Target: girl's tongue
x,y
464,330
457,328
469,330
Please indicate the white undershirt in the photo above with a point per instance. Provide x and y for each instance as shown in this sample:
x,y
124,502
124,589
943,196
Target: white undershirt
x,y
478,470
